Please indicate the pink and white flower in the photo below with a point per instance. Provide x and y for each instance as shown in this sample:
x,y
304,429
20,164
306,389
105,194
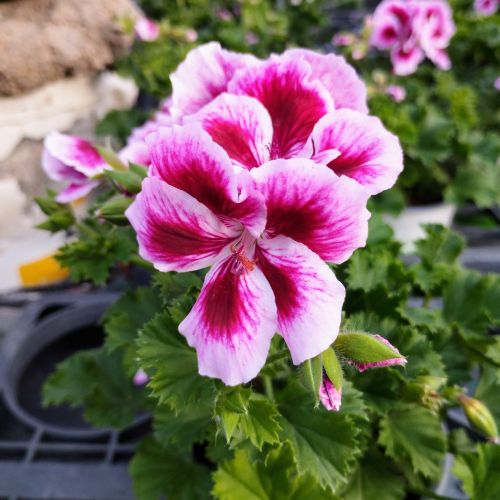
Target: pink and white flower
x,y
73,160
279,110
412,30
146,30
265,232
329,395
485,7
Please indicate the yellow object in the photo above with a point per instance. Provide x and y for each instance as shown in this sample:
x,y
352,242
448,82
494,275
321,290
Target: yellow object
x,y
43,271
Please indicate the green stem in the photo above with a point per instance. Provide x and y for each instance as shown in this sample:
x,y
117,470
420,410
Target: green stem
x,y
277,355
87,230
268,387
138,261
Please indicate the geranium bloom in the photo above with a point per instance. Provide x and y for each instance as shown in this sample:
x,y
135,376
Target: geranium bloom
x,y
265,232
412,30
284,108
396,92
485,7
73,160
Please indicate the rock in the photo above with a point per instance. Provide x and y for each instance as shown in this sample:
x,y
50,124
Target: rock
x,y
46,40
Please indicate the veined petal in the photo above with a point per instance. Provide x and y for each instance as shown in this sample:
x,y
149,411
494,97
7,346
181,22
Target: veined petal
x,y
76,191
203,75
339,78
188,159
58,171
369,153
75,152
135,152
309,203
232,323
309,297
294,101
241,125
175,232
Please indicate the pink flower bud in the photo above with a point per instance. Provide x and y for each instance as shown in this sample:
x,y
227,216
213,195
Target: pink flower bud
x,y
396,92
329,395
191,36
497,83
140,377
343,39
146,30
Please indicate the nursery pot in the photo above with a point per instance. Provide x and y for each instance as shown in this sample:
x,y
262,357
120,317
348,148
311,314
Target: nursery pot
x,y
407,225
31,353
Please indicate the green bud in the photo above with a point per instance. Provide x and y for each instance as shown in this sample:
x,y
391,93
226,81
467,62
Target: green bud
x,y
126,179
333,368
114,210
365,351
479,416
111,158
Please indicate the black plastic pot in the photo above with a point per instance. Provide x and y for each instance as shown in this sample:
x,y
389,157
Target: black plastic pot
x,y
54,453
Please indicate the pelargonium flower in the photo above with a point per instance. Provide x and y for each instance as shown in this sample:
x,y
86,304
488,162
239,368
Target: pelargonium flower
x,y
396,92
284,108
266,232
329,395
485,7
412,30
73,160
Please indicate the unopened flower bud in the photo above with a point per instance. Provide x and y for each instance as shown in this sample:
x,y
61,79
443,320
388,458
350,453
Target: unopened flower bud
x,y
140,377
364,351
114,210
329,395
146,30
479,416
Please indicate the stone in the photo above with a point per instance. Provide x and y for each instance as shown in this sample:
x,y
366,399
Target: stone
x,y
46,40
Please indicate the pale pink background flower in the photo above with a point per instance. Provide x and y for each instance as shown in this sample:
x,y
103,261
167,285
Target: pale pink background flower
x,y
343,39
396,92
485,7
146,30
497,83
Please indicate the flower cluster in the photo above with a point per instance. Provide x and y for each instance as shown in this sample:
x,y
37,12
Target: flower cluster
x,y
264,174
412,30
261,169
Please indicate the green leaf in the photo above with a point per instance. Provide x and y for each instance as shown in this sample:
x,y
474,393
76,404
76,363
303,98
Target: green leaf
x,y
173,364
119,124
478,472
100,247
96,380
126,179
311,375
375,479
255,416
274,479
415,434
440,245
126,317
324,443
157,472
332,367
182,429
173,285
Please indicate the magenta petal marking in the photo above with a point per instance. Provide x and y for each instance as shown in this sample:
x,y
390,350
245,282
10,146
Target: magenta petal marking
x,y
75,152
309,297
310,204
58,171
294,101
369,153
203,75
241,125
76,191
188,159
338,77
330,397
232,323
175,232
